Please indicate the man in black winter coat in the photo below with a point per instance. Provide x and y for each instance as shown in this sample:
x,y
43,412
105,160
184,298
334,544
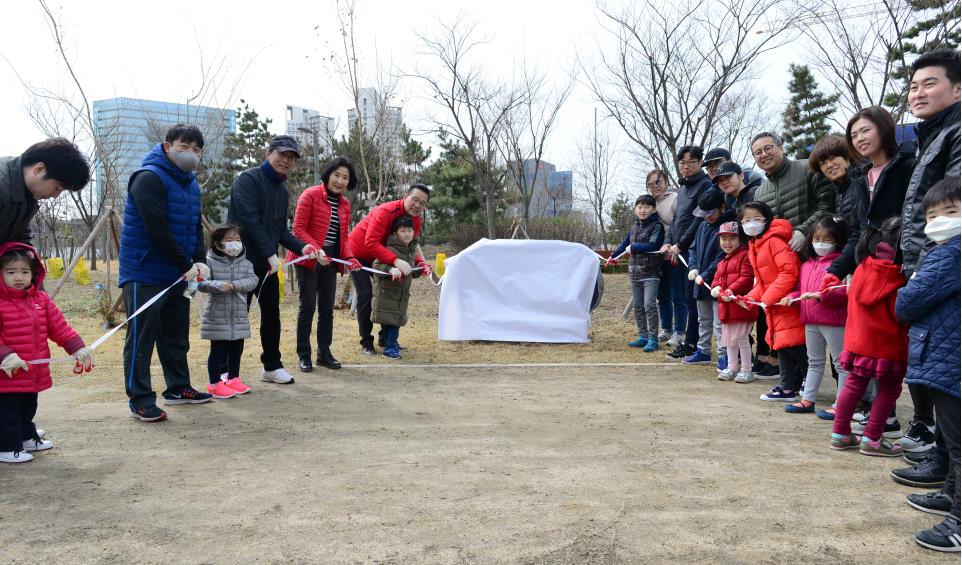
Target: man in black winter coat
x,y
43,171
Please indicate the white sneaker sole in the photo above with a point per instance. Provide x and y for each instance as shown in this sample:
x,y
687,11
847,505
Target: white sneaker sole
x,y
22,458
267,379
176,401
33,448
927,510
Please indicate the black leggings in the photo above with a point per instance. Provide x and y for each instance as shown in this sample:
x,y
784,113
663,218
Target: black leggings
x,y
227,354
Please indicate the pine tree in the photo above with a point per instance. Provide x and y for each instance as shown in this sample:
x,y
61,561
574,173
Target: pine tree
x,y
938,28
805,120
622,215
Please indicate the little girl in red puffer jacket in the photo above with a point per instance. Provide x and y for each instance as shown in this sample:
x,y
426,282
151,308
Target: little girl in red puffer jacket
x,y
27,319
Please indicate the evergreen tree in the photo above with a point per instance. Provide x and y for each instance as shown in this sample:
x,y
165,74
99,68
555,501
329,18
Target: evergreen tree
x,y
937,28
622,214
242,150
453,199
805,120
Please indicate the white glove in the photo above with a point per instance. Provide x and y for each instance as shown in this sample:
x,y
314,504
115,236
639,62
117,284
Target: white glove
x,y
403,265
798,241
191,274
699,281
85,359
692,274
12,363
203,271
274,263
715,291
396,274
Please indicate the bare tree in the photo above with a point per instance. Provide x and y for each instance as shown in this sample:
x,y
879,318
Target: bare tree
x,y
678,68
597,167
475,108
526,132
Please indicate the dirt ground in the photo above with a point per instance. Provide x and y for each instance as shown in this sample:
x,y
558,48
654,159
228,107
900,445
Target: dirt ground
x,y
395,462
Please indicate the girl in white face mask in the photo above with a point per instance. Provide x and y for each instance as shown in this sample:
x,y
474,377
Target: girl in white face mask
x,y
224,321
823,314
776,267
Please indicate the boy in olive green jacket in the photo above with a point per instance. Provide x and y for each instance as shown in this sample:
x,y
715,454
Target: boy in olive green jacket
x,y
389,304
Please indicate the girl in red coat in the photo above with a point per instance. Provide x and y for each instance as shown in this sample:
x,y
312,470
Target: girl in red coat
x,y
776,273
27,319
734,277
876,344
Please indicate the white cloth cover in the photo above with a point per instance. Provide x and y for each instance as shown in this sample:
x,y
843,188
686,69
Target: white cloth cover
x,y
518,290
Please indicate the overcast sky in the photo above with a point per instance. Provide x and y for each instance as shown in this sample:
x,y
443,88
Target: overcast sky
x,y
278,50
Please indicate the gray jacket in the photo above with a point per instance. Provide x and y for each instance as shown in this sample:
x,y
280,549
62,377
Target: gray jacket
x,y
796,195
225,314
937,158
17,206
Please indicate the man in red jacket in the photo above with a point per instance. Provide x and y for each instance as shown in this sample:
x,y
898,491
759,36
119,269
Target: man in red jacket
x,y
367,242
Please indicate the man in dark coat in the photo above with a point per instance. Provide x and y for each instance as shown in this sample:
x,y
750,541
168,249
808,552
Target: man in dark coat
x,y
259,204
43,171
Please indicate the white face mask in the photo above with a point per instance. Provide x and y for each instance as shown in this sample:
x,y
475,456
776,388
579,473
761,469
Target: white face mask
x,y
753,227
823,249
943,228
233,248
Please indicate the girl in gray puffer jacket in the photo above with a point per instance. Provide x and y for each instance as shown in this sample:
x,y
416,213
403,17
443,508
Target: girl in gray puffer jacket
x,y
224,321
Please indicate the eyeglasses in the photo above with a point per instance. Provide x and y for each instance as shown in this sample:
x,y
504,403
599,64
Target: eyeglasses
x,y
689,162
655,184
767,150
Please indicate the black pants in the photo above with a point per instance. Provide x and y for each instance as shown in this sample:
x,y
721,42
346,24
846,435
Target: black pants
x,y
317,288
691,326
363,289
269,302
923,404
224,353
947,414
793,365
761,328
165,324
17,410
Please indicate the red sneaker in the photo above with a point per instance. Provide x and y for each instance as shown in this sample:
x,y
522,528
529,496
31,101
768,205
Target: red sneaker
x,y
221,391
238,386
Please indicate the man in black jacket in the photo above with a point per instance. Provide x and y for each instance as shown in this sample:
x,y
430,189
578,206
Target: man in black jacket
x,y
259,204
692,185
43,171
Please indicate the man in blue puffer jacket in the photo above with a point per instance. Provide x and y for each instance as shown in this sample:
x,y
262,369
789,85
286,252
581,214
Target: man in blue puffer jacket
x,y
931,302
162,241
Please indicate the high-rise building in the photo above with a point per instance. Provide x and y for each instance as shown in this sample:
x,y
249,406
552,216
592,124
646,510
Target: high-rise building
x,y
551,190
297,119
127,128
382,123
560,194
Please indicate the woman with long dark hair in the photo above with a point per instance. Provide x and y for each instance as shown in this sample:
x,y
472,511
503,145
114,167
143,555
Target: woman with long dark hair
x,y
322,218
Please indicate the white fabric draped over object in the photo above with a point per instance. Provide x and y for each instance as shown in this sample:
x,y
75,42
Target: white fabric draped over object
x,y
519,290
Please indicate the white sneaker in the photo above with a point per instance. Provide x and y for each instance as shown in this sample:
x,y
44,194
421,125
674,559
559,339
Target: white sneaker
x,y
744,377
41,433
37,445
675,340
726,375
279,376
15,457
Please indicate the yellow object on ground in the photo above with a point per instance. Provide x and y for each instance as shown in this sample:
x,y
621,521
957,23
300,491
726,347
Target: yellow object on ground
x,y
439,263
54,268
81,273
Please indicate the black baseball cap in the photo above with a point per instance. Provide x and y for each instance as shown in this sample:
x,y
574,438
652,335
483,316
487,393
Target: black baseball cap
x,y
284,143
716,154
709,202
727,169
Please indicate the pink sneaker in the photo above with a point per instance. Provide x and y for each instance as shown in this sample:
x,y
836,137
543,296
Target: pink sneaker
x,y
221,391
238,386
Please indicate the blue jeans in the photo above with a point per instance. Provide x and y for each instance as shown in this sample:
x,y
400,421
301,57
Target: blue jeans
x,y
672,305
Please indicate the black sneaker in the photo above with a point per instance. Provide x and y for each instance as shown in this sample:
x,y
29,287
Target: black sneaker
x,y
187,396
936,502
367,349
148,414
942,537
305,365
767,370
893,430
682,351
929,473
913,458
918,438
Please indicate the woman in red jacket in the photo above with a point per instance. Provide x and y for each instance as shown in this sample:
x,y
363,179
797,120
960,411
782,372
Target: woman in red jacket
x,y
322,218
876,343
27,319
734,277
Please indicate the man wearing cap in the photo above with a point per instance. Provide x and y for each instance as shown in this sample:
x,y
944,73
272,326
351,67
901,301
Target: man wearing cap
x,y
259,206
368,242
718,156
790,190
730,180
